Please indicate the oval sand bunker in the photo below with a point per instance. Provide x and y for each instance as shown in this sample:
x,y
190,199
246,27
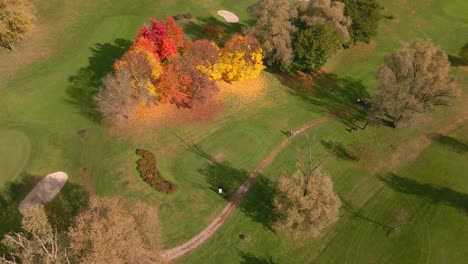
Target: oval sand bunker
x,y
44,191
228,16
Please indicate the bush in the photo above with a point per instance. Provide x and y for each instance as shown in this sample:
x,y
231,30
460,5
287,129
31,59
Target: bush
x,y
150,174
179,17
214,32
464,54
188,15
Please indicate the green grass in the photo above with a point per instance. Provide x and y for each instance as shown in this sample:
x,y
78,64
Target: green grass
x,y
45,105
15,151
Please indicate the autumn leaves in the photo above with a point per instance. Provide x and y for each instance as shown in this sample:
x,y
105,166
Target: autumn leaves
x,y
161,67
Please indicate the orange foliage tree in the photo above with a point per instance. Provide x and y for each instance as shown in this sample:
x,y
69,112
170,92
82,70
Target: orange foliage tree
x,y
144,70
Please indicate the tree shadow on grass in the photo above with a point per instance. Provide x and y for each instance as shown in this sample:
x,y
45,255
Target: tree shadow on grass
x,y
433,193
332,94
450,142
258,202
85,84
61,211
338,150
71,200
11,195
223,175
194,28
456,61
247,258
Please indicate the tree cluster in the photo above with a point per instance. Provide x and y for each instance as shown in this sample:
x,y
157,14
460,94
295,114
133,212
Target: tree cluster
x,y
413,79
110,230
161,67
150,174
302,35
16,17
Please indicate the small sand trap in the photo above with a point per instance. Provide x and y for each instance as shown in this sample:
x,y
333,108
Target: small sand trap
x,y
44,191
228,16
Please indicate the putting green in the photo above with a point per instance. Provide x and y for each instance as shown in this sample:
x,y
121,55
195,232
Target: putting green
x,y
15,148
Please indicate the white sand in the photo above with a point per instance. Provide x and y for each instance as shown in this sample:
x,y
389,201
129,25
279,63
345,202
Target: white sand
x,y
228,16
45,190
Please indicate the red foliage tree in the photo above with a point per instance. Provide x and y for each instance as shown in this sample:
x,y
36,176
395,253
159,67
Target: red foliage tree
x,y
174,31
162,38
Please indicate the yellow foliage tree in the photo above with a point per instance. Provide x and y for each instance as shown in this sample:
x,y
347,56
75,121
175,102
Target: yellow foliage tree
x,y
240,59
144,70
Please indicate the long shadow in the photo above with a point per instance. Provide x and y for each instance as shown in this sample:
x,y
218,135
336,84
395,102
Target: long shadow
x,y
223,175
11,195
331,93
456,61
355,212
450,142
338,150
247,258
194,28
87,81
258,202
62,210
435,194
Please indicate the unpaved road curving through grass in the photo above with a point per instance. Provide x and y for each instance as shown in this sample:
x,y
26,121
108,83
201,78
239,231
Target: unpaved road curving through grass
x,y
218,221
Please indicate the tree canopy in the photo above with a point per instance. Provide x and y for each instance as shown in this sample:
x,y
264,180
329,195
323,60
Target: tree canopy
x,y
412,79
365,16
16,17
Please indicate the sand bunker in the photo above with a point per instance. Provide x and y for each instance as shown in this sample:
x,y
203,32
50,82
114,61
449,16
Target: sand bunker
x,y
228,16
44,191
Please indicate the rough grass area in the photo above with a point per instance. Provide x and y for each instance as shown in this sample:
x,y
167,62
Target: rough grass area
x,y
46,102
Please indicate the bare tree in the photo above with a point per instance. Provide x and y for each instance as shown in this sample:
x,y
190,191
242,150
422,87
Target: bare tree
x,y
116,98
39,243
274,29
315,12
305,201
413,78
16,17
112,231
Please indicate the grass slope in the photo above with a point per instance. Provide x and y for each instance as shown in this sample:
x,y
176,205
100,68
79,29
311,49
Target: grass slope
x,y
48,103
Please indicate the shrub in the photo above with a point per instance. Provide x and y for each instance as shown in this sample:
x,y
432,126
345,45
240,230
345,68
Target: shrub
x,y
214,32
188,15
150,174
464,54
179,17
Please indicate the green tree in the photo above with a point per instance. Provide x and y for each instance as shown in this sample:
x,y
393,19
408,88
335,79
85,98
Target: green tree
x,y
365,15
313,47
16,18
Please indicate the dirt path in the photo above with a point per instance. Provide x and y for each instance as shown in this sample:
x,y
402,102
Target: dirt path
x,y
87,182
410,150
218,221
